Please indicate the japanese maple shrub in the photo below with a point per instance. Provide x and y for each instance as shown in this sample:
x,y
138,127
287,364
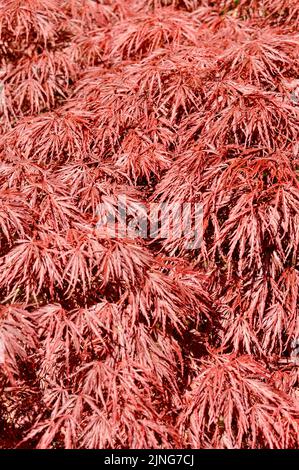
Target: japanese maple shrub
x,y
145,342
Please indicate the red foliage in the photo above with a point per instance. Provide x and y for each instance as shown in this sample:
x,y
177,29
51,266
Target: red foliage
x,y
130,342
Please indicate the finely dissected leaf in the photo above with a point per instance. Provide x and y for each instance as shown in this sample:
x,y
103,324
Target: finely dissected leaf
x,y
222,392
141,35
17,336
37,83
